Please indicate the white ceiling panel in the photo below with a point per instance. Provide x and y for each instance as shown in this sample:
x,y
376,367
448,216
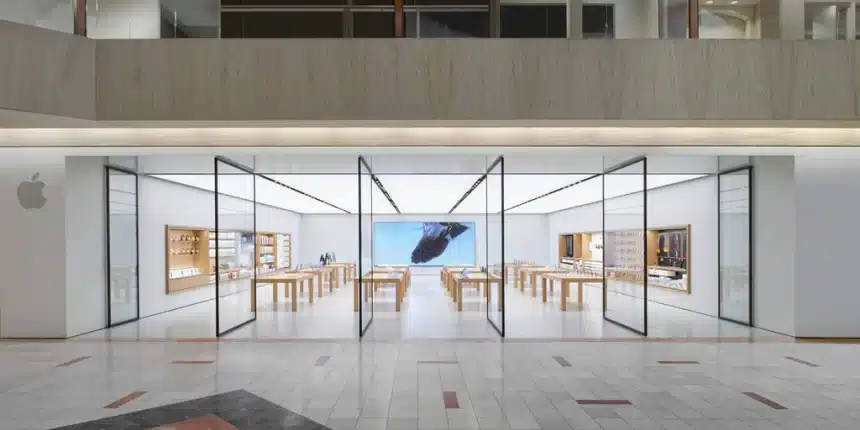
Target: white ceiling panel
x,y
426,194
339,190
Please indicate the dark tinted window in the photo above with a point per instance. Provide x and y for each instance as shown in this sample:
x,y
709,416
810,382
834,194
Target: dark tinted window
x,y
534,21
598,21
373,24
434,24
282,25
284,2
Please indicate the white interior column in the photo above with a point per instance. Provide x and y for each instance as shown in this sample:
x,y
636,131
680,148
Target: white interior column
x,y
851,22
574,19
791,20
769,19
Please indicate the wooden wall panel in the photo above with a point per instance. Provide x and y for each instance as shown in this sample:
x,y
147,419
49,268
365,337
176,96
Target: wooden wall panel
x,y
46,72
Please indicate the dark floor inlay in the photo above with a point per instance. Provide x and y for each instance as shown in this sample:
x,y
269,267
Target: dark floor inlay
x,y
562,361
678,362
438,362
762,399
236,409
193,361
77,360
797,360
322,360
125,399
604,402
450,398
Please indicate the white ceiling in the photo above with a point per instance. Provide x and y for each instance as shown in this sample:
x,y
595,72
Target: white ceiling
x,y
425,194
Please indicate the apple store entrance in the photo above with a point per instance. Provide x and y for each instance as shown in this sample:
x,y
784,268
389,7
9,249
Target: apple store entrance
x,y
386,244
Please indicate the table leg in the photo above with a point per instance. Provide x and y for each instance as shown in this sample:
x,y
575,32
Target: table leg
x,y
534,284
254,295
398,295
459,292
311,289
275,292
320,285
295,298
543,289
499,299
355,294
522,281
579,293
565,288
330,283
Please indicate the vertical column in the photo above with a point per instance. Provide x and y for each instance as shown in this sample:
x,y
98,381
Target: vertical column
x,y
574,19
495,18
851,22
792,24
398,19
80,17
693,19
768,15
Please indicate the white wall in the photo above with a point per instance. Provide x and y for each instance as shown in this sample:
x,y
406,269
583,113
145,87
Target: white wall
x,y
85,245
693,202
164,203
50,14
524,235
33,255
774,243
826,290
725,23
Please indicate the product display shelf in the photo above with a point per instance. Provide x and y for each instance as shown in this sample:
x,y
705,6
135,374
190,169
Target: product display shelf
x,y
285,253
186,257
267,252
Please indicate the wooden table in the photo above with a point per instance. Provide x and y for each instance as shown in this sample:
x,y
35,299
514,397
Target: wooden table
x,y
476,278
532,272
373,280
519,276
321,273
347,267
288,279
566,279
404,269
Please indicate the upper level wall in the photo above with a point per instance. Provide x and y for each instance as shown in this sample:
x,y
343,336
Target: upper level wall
x,y
46,71
486,79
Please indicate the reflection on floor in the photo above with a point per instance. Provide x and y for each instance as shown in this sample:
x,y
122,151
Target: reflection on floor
x,y
428,313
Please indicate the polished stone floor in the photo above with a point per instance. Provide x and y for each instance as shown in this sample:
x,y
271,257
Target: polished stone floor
x,y
430,384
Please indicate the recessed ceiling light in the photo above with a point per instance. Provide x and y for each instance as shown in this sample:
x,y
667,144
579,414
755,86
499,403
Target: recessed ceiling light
x,y
734,1
709,2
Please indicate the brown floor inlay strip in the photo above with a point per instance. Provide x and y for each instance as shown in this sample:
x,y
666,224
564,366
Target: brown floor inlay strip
x,y
797,360
322,360
677,362
450,398
761,399
438,362
193,361
206,422
562,361
77,360
125,399
604,402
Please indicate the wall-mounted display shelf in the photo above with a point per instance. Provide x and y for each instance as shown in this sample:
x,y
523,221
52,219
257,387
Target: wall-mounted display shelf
x,y
285,251
666,253
267,252
186,257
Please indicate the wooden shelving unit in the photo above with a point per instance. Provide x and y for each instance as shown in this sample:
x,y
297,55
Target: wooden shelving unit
x,y
285,251
267,252
187,258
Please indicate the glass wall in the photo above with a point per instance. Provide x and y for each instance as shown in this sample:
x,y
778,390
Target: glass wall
x,y
495,246
534,20
122,228
735,232
233,246
625,290
365,245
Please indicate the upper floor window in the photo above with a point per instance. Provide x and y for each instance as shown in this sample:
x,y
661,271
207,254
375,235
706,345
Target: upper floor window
x,y
534,21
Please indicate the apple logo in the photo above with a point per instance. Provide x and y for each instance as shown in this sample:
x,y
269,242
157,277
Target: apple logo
x,y
30,193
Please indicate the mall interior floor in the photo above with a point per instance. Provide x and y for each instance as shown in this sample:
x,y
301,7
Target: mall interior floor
x,y
430,384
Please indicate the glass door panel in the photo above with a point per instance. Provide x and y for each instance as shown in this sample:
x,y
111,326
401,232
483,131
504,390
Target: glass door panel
x,y
625,273
365,246
735,246
495,252
122,228
233,246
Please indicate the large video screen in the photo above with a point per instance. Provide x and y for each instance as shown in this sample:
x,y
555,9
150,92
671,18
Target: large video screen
x,y
424,243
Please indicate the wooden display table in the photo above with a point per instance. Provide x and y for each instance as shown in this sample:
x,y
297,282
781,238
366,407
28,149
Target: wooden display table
x,y
566,279
519,276
478,279
293,280
346,267
404,269
448,273
374,280
322,273
532,272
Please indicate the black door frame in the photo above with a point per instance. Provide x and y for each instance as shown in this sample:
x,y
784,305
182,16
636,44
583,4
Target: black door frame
x,y
248,170
499,161
362,329
751,323
609,171
107,171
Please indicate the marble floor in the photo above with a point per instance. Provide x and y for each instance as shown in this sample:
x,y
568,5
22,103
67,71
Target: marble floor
x,y
428,313
429,384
